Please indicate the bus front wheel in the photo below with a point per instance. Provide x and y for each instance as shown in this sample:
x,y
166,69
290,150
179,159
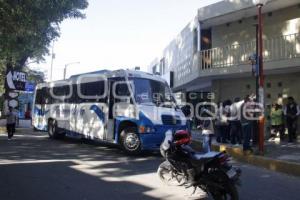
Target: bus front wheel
x,y
130,141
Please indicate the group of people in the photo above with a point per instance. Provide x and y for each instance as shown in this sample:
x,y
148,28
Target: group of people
x,y
285,117
237,122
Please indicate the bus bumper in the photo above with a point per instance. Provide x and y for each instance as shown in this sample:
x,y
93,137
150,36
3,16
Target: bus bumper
x,y
152,141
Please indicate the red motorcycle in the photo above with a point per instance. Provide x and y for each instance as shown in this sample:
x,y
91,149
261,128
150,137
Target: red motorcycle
x,y
211,172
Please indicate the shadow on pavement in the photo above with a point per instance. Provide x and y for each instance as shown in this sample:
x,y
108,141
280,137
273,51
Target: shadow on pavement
x,y
59,180
35,167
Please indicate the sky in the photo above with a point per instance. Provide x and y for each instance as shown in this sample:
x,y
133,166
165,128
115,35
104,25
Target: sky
x,y
119,34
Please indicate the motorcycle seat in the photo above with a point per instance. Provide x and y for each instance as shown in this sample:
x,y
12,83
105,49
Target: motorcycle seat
x,y
204,156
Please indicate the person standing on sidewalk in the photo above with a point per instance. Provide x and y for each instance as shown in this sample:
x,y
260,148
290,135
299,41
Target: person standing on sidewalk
x,y
186,109
235,122
277,121
207,128
227,105
221,125
291,113
247,123
11,119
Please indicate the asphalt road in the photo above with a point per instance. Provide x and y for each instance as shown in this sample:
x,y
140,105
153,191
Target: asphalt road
x,y
35,167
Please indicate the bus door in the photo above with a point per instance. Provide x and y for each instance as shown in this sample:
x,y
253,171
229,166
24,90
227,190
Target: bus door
x,y
72,103
60,110
57,111
117,88
39,109
92,110
66,106
111,122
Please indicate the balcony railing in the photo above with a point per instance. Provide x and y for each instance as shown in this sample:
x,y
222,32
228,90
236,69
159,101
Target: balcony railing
x,y
276,48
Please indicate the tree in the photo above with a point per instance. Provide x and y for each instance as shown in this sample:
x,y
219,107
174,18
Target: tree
x,y
34,76
27,27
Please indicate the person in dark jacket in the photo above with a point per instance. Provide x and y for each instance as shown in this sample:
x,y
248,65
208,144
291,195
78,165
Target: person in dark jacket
x,y
291,112
11,119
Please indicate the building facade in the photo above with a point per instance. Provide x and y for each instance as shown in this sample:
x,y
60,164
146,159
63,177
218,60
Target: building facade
x,y
211,54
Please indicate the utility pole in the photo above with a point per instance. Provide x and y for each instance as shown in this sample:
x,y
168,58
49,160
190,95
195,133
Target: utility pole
x,y
65,69
52,58
261,125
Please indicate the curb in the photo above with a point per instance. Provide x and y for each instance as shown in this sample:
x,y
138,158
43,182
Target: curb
x,y
2,129
286,167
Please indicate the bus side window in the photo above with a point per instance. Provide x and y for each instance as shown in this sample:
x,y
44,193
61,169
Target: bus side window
x,y
66,93
47,96
122,93
93,92
58,94
74,96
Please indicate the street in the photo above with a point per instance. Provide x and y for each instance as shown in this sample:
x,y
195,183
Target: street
x,y
35,167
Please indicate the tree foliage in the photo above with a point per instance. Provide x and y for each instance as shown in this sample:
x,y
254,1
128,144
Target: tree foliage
x,y
27,27
34,76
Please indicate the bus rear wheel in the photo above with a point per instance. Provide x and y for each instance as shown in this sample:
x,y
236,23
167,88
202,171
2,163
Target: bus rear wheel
x,y
53,130
130,141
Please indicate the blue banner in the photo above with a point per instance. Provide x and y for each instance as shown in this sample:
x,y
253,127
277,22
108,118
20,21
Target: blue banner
x,y
29,87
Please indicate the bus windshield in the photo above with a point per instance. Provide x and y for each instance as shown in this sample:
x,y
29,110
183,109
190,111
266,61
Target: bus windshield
x,y
148,91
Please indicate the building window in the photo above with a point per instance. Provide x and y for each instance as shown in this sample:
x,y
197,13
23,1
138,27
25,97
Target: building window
x,y
269,85
279,84
269,96
162,67
195,40
154,70
248,86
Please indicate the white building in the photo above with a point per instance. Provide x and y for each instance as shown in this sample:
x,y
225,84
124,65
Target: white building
x,y
211,54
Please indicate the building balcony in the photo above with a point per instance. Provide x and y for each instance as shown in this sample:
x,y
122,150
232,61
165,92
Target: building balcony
x,y
285,47
281,54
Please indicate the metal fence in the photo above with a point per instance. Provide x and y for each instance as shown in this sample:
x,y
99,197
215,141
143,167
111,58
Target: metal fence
x,y
275,48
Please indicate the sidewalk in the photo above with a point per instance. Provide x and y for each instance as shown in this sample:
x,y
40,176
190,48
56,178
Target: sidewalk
x,y
280,157
283,151
23,123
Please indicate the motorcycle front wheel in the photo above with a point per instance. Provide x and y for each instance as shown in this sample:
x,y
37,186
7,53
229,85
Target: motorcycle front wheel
x,y
169,176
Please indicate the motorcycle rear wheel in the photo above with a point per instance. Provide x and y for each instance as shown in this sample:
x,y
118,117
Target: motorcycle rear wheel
x,y
230,192
169,176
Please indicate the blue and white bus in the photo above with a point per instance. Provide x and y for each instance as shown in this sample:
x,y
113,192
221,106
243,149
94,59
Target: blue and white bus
x,y
126,107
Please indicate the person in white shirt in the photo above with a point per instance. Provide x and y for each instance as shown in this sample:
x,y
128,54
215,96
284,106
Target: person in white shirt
x,y
207,128
235,122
